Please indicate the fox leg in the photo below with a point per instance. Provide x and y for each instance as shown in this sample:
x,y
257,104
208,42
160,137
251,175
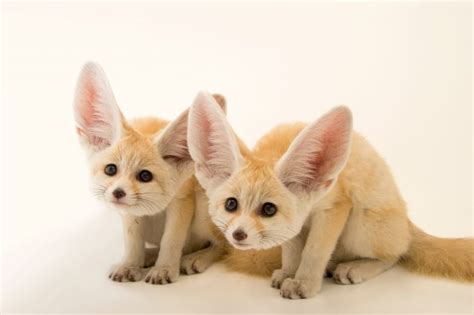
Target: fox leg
x,y
130,267
373,239
357,271
291,258
326,227
178,220
200,260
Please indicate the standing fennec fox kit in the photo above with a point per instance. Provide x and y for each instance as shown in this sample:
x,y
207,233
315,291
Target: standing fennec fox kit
x,y
142,169
324,194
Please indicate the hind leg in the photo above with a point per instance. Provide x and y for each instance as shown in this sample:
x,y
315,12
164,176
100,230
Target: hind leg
x,y
373,241
360,270
200,260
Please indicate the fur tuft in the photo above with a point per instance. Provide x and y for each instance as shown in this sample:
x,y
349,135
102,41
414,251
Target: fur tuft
x,y
447,257
260,263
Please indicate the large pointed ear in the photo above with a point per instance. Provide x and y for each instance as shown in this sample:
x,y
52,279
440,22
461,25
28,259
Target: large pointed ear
x,y
317,155
212,143
172,141
98,118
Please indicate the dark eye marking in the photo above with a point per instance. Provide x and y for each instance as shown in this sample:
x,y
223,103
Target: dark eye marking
x,y
231,204
268,210
145,176
110,169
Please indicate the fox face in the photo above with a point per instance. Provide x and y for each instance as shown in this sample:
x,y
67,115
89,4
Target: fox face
x,y
132,176
136,167
261,203
253,209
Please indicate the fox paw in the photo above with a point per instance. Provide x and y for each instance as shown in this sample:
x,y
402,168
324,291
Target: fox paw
x,y
162,275
122,273
349,273
278,276
192,264
298,289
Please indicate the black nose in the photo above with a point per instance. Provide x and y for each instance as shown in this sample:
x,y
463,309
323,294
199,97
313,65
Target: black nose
x,y
239,235
119,193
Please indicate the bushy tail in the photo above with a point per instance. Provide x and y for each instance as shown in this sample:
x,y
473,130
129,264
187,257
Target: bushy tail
x,y
447,257
253,262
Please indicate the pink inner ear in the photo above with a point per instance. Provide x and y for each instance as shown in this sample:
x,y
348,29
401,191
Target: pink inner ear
x,y
207,139
93,125
88,113
210,146
206,133
88,110
330,142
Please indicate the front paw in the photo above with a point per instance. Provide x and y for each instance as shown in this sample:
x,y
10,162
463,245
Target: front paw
x,y
278,276
124,273
299,289
162,275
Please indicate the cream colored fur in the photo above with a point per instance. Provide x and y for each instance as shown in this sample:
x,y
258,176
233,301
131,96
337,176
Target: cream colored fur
x,y
168,212
338,205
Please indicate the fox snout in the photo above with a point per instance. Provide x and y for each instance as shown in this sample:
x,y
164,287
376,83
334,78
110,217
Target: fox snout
x,y
119,193
239,235
240,238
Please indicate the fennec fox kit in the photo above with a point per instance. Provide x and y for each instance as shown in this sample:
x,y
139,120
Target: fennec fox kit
x,y
143,170
324,194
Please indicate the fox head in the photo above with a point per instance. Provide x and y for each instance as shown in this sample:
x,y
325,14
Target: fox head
x,y
260,204
137,167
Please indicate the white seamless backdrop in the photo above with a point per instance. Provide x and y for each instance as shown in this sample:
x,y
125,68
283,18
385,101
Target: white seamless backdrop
x,y
404,69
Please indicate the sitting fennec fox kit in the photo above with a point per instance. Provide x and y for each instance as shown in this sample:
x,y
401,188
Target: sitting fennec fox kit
x,y
324,194
143,170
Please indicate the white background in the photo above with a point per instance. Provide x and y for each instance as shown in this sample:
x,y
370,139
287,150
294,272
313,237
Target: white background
x,y
404,69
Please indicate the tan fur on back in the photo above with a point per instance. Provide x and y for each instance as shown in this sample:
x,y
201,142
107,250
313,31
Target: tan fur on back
x,y
149,126
253,262
275,143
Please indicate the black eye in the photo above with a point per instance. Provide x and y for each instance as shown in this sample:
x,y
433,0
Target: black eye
x,y
231,204
110,169
268,209
145,176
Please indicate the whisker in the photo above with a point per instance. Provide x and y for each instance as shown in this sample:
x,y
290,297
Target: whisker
x,y
220,223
